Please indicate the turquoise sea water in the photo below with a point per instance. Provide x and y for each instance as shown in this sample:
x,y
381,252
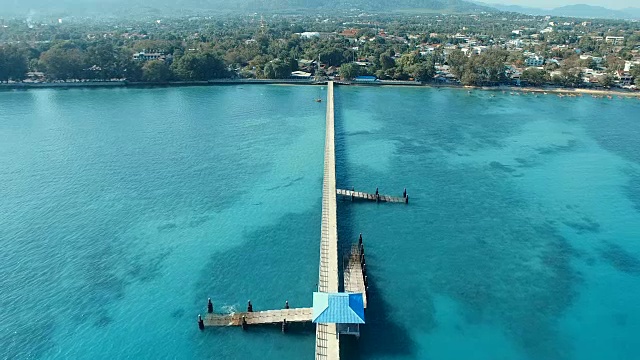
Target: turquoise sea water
x,y
122,210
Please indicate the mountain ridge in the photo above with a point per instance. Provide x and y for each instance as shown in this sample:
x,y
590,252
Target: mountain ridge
x,y
80,7
575,10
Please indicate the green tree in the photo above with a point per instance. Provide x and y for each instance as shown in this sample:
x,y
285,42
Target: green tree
x,y
535,76
157,71
469,78
635,72
63,63
199,66
614,63
457,62
277,69
424,71
349,71
606,80
103,58
386,61
568,77
13,64
333,56
408,60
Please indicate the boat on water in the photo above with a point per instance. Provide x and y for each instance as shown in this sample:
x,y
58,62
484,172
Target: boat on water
x,y
318,100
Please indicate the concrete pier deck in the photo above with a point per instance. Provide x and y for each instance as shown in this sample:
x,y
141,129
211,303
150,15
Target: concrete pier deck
x,y
327,337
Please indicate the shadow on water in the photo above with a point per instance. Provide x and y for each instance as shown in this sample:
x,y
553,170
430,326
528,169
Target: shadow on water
x,y
380,335
488,248
275,263
293,329
632,189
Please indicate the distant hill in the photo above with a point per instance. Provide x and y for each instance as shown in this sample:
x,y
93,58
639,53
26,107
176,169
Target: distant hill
x,y
110,7
589,11
579,11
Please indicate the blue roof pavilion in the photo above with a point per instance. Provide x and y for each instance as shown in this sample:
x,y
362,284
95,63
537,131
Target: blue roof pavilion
x,y
338,308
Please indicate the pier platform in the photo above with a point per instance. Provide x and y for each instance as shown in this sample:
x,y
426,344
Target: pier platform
x,y
354,277
259,317
359,195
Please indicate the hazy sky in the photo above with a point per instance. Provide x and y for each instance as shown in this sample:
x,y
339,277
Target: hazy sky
x,y
548,4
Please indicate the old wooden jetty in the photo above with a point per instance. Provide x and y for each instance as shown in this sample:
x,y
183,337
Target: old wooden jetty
x,y
355,280
359,195
259,317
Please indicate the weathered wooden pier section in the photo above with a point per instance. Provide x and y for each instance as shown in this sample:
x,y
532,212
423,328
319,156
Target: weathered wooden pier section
x,y
377,197
251,317
335,313
355,278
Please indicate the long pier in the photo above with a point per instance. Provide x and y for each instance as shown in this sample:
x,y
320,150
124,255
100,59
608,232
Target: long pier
x,y
355,279
327,337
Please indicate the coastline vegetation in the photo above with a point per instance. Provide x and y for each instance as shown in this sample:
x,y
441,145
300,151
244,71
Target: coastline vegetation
x,y
478,50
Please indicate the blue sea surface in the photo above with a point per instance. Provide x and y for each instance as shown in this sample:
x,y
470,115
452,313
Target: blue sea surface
x,y
122,210
522,236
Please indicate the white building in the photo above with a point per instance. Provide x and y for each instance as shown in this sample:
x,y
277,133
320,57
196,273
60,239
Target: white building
x,y
615,40
596,59
300,75
629,64
515,43
145,56
534,61
309,34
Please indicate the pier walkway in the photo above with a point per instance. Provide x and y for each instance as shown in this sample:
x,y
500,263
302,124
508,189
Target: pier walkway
x,y
259,317
354,278
327,337
372,197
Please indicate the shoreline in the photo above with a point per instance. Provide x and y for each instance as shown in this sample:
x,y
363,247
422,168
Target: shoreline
x,y
558,91
126,84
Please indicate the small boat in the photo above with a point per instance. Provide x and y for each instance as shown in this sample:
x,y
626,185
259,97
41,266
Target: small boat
x,y
318,100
